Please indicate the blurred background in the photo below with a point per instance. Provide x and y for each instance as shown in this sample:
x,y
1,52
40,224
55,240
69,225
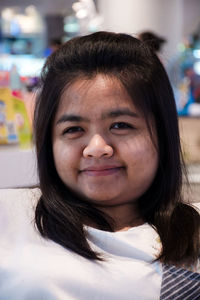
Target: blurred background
x,y
31,30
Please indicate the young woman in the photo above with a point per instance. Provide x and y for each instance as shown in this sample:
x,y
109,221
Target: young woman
x,y
110,220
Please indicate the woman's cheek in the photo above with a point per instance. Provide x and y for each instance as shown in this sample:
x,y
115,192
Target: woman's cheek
x,y
67,161
140,150
62,154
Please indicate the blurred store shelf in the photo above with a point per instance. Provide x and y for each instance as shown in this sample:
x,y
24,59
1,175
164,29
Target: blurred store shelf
x,y
192,193
190,142
190,139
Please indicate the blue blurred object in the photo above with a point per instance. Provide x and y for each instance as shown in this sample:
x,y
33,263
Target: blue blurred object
x,y
184,74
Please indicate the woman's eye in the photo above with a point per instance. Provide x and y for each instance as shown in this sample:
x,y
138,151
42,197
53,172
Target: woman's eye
x,y
121,125
74,129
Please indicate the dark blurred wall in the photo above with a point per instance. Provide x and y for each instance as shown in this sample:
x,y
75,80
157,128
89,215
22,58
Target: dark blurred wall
x,y
54,27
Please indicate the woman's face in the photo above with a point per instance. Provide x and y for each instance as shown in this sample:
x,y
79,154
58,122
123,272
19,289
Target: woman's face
x,y
101,144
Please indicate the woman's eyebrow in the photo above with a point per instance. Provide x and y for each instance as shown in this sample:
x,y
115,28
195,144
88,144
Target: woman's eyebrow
x,y
71,118
120,112
110,114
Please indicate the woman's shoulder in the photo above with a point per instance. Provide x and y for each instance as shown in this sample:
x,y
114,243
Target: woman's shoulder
x,y
19,194
15,203
21,285
17,213
28,262
196,205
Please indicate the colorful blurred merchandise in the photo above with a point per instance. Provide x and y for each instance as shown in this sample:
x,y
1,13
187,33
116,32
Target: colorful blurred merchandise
x,y
4,78
184,74
22,122
8,130
15,125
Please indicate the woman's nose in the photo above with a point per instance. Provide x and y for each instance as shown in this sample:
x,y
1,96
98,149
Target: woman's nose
x,y
97,148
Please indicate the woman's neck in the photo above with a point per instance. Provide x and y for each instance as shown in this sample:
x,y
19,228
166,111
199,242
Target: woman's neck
x,y
124,216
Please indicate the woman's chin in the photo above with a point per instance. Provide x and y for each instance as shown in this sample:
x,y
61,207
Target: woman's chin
x,y
103,199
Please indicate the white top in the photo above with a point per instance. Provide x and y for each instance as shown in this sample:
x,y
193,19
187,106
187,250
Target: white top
x,y
33,268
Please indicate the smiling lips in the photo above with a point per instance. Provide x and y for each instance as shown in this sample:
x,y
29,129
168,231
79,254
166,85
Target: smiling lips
x,y
101,171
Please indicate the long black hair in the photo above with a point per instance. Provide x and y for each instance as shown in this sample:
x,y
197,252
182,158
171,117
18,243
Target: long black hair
x,y
60,214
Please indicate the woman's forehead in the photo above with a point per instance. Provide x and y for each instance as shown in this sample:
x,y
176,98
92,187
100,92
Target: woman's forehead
x,y
95,94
